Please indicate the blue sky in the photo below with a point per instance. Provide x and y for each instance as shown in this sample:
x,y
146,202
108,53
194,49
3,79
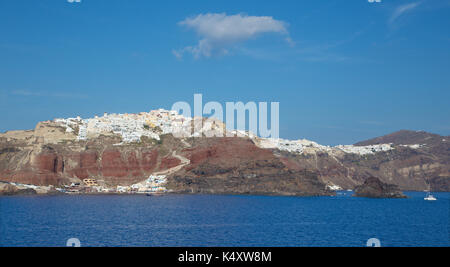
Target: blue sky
x,y
343,71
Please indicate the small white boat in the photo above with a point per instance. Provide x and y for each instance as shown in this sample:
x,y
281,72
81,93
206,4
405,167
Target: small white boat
x,y
430,197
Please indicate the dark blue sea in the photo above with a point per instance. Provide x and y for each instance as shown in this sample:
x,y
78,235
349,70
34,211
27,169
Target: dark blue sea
x,y
208,220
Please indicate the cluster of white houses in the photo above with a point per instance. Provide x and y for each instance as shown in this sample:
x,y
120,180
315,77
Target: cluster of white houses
x,y
293,146
365,150
154,184
304,146
131,127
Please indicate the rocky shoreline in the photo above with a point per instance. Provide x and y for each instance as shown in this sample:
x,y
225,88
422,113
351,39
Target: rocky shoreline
x,y
372,188
13,189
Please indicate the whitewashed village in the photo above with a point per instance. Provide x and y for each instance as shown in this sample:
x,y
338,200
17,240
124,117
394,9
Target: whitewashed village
x,y
154,185
132,127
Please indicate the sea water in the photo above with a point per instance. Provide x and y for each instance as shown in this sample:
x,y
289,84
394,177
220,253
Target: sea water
x,y
216,220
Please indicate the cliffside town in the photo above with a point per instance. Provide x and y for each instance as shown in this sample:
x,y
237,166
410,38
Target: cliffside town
x,y
138,153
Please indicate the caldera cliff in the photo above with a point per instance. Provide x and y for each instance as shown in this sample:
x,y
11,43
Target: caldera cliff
x,y
124,149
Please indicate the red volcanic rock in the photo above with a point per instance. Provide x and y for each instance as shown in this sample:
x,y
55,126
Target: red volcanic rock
x,y
44,170
57,165
198,156
33,177
149,160
238,166
49,162
226,151
83,165
291,164
169,162
134,165
113,164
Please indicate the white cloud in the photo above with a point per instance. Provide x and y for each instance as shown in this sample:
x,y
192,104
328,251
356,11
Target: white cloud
x,y
219,32
400,10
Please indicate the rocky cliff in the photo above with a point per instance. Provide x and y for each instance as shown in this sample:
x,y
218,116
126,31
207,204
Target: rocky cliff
x,y
417,164
237,166
62,152
374,188
194,165
36,161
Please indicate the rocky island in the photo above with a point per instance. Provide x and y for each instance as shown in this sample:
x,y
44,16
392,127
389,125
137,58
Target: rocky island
x,y
374,188
139,153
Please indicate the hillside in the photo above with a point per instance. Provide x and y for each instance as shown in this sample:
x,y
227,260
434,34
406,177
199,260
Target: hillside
x,y
405,137
125,149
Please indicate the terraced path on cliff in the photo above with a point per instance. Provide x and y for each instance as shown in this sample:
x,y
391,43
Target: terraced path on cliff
x,y
184,162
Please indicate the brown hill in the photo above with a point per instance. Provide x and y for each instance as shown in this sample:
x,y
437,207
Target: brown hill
x,y
237,166
404,137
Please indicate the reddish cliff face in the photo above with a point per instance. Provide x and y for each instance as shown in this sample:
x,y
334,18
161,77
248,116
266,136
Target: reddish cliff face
x,y
113,166
225,152
223,165
207,165
238,166
49,162
82,165
169,162
61,164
